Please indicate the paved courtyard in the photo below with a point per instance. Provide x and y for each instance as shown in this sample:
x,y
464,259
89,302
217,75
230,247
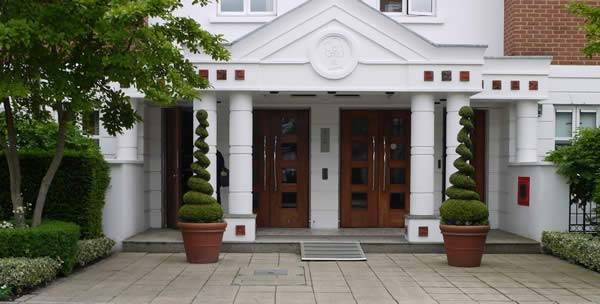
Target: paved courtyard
x,y
284,279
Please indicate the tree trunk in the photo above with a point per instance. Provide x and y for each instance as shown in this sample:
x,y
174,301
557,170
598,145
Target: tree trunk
x,y
52,169
14,166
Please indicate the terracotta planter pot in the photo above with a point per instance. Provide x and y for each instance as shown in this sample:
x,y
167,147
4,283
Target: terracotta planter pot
x,y
464,244
202,242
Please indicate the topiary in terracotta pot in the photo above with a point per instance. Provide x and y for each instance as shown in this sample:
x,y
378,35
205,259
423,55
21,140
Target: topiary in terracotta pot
x,y
201,216
464,218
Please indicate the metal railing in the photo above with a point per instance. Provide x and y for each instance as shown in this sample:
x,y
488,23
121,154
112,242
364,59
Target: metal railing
x,y
583,216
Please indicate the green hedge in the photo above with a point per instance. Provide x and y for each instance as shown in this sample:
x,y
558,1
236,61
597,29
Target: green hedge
x,y
19,274
77,191
53,239
579,248
89,251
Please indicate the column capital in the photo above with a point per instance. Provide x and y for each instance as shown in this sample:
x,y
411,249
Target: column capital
x,y
206,101
240,101
455,101
422,102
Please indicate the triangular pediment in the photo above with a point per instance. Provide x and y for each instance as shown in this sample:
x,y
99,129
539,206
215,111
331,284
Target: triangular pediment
x,y
371,36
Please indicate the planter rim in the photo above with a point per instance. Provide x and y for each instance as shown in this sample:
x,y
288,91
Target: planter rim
x,y
463,229
202,226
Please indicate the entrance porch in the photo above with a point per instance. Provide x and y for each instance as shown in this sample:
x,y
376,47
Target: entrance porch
x,y
286,240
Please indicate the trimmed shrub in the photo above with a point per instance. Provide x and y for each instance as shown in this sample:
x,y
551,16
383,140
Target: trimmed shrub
x,y
19,274
5,292
199,205
77,191
89,251
463,206
53,239
578,248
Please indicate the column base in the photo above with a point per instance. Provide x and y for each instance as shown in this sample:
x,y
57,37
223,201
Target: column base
x,y
240,228
426,225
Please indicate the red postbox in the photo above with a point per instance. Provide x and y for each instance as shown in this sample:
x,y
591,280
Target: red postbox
x,y
523,190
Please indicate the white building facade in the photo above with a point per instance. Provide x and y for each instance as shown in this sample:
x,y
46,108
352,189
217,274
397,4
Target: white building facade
x,y
344,113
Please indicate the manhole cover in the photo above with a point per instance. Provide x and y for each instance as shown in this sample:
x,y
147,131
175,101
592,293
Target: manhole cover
x,y
259,276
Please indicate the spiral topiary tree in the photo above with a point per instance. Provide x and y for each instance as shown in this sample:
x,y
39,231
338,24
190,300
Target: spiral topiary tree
x,y
199,206
463,206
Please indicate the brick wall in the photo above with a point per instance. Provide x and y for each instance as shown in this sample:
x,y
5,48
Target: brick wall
x,y
544,27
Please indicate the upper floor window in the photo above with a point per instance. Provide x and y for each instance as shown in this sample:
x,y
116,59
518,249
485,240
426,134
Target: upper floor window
x,y
410,7
90,124
247,7
570,119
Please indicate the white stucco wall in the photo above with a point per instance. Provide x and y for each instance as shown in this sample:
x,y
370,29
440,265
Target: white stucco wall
x,y
455,21
549,201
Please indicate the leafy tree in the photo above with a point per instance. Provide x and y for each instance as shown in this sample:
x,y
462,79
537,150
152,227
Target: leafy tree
x,y
579,163
591,14
72,57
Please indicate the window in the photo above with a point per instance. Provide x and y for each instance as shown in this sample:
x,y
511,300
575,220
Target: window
x,y
409,7
90,124
247,7
570,119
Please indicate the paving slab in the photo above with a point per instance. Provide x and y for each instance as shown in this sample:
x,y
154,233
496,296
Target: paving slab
x,y
282,278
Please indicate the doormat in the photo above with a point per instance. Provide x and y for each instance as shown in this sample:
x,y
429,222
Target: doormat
x,y
332,251
260,276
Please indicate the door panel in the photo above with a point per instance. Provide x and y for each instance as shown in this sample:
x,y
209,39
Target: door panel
x,y
178,158
479,151
375,168
281,164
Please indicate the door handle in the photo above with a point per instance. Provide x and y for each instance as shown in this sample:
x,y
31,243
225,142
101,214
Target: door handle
x,y
275,164
265,163
385,164
373,157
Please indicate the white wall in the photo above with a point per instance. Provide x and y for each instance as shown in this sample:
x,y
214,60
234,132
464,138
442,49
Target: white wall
x,y
549,201
456,21
153,156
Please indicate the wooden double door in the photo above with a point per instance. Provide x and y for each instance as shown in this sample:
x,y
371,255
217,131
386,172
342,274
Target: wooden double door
x,y
280,168
375,168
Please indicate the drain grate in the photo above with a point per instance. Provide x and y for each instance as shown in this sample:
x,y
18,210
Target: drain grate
x,y
320,251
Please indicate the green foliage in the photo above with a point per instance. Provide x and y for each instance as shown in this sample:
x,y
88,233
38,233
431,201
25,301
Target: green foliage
x,y
70,53
40,135
20,274
91,250
53,239
579,248
463,206
76,195
591,14
199,205
579,163
5,292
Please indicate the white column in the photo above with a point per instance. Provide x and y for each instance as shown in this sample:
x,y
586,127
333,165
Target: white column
x,y
512,133
240,153
421,158
127,142
422,173
208,102
453,105
527,116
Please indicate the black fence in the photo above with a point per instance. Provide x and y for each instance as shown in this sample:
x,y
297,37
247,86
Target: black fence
x,y
583,217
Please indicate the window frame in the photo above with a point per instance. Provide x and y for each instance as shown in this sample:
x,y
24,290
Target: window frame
x,y
418,13
247,10
407,11
97,115
575,111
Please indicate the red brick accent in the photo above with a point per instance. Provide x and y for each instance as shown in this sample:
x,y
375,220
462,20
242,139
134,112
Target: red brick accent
x,y
446,75
428,76
533,85
240,74
465,76
221,74
515,85
203,74
423,231
496,84
545,27
240,230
